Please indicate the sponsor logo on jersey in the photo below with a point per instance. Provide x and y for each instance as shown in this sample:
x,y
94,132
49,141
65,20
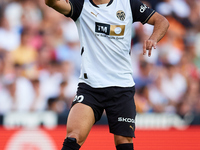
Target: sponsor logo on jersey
x,y
113,30
121,15
123,119
79,98
143,7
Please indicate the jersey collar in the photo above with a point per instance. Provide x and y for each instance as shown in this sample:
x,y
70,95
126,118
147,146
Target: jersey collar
x,y
98,6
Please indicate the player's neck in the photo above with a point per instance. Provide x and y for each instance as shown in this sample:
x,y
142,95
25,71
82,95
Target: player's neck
x,y
98,2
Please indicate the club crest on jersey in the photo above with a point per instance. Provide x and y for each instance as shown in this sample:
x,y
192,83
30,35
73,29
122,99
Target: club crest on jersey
x,y
121,15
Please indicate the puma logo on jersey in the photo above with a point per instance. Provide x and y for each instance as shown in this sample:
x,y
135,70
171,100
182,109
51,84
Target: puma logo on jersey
x,y
94,14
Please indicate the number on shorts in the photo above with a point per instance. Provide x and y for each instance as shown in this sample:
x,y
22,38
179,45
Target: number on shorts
x,y
79,98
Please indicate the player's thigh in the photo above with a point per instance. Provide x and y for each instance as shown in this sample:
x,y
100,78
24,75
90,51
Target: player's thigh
x,y
80,121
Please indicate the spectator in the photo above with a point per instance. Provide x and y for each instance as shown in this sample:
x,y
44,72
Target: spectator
x,y
42,57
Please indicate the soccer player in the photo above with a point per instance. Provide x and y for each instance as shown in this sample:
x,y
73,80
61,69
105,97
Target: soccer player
x,y
105,82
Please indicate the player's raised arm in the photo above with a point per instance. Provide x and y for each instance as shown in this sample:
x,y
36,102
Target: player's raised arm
x,y
161,25
62,6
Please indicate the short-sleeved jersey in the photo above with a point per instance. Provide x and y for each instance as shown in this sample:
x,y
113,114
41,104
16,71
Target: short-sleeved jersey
x,y
105,37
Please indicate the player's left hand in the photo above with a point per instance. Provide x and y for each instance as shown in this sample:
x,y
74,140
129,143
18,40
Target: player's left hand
x,y
149,45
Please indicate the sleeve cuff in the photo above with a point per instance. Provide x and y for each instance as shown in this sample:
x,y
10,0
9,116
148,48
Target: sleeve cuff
x,y
149,17
71,12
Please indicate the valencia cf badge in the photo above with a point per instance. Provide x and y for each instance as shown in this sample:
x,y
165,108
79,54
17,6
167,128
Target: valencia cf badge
x,y
121,15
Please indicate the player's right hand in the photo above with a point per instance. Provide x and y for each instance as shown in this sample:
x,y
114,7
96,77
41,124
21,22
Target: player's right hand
x,y
149,45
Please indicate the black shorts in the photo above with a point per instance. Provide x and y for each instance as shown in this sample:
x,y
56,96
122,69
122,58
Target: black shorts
x,y
118,102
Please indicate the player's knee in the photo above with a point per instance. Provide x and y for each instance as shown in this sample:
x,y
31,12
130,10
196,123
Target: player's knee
x,y
79,138
121,140
123,143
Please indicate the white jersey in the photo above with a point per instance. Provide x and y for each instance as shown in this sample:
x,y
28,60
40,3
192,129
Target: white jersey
x,y
105,37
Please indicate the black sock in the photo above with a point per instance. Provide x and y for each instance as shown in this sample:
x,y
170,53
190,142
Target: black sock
x,y
126,146
70,144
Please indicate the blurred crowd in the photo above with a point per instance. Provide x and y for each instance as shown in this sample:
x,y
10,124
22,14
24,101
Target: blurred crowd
x,y
40,59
